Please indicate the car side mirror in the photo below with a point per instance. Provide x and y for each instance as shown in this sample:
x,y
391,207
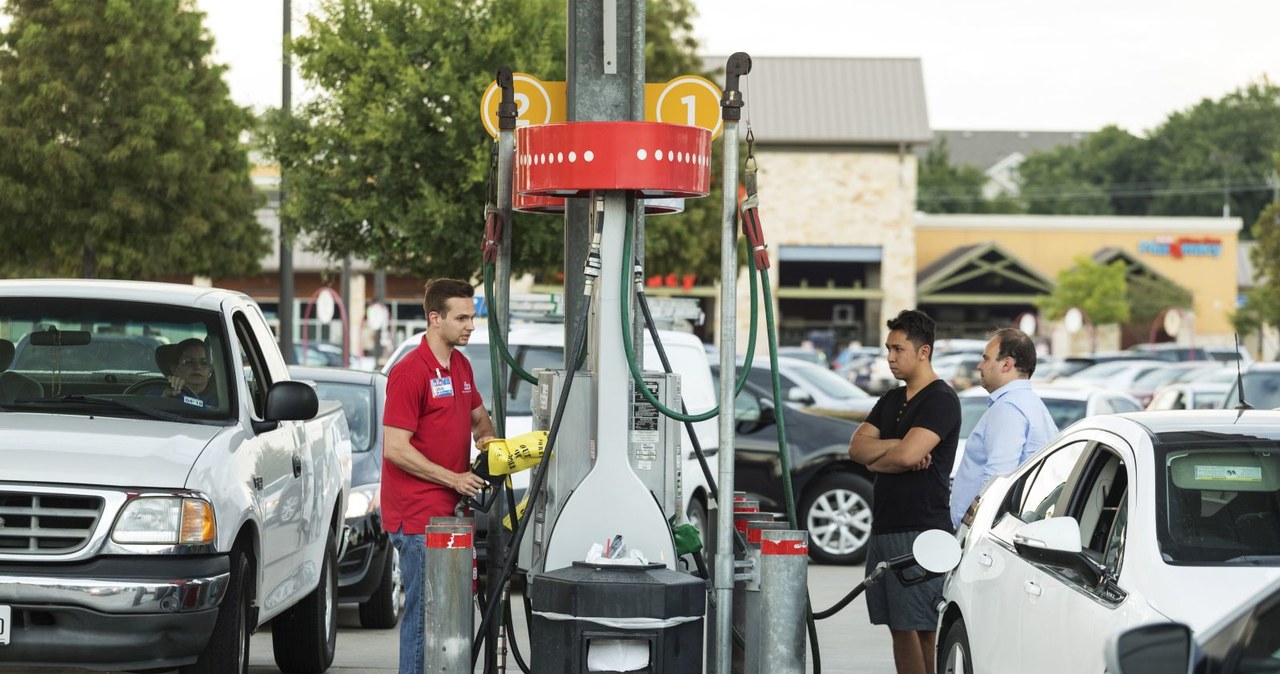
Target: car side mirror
x,y
767,416
1159,648
798,395
1056,542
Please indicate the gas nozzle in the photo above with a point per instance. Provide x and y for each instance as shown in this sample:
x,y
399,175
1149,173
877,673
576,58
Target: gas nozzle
x,y
502,457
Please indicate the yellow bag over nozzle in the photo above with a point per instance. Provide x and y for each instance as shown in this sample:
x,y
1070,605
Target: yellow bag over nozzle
x,y
512,455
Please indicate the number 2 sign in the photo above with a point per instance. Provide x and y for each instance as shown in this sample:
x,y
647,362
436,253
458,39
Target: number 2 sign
x,y
688,99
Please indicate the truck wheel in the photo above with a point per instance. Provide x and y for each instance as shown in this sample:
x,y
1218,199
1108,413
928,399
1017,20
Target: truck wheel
x,y
836,512
304,637
382,611
228,647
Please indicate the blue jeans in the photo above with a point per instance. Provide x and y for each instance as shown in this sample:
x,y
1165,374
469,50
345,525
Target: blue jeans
x,y
412,549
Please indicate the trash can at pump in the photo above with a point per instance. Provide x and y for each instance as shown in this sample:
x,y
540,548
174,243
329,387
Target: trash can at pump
x,y
617,618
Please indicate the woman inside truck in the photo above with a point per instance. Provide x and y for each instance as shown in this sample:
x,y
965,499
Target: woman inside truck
x,y
186,365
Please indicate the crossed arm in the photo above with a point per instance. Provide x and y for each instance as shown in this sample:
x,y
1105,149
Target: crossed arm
x,y
892,456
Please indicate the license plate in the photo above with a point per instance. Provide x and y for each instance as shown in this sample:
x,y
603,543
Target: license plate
x,y
6,619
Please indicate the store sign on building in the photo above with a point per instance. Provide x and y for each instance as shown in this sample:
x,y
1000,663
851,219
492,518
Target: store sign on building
x,y
1180,247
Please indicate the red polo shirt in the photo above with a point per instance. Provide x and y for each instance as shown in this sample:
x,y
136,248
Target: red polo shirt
x,y
441,425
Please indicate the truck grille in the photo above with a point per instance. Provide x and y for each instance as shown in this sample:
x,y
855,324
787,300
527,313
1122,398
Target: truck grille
x,y
43,524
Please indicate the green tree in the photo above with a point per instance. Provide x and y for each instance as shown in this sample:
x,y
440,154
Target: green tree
x,y
390,161
944,188
1096,177
1262,302
120,150
1183,167
1228,143
1099,290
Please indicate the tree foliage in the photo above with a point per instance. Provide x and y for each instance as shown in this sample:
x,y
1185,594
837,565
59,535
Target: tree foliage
x,y
1099,290
944,188
120,150
1262,302
1183,167
390,161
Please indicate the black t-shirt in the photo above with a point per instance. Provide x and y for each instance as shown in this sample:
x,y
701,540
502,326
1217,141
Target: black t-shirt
x,y
917,499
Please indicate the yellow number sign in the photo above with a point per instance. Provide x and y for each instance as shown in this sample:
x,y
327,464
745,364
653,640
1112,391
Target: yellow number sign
x,y
688,99
537,102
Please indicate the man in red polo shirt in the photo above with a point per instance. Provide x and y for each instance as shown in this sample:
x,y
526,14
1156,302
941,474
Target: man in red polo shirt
x,y
433,411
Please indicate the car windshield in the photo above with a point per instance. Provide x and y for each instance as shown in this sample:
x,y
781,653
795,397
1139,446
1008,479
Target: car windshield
x,y
828,382
1218,502
357,403
107,357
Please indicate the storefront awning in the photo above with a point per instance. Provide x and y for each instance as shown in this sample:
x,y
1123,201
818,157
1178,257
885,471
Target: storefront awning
x,y
980,273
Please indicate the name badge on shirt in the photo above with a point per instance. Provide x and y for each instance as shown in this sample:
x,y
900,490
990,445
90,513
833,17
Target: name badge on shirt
x,y
442,387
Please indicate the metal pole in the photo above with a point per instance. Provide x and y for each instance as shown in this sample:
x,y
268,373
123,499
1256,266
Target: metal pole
x,y
284,310
784,582
739,64
751,602
499,306
446,600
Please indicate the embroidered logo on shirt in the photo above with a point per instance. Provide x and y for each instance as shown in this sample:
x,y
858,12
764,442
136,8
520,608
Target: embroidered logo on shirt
x,y
466,387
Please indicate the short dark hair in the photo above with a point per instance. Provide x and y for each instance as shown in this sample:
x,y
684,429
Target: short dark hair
x,y
918,326
438,291
1018,345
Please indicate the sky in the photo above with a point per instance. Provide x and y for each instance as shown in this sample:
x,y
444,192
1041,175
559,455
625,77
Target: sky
x,y
988,64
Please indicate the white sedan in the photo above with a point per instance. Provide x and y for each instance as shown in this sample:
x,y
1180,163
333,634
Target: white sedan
x,y
1121,520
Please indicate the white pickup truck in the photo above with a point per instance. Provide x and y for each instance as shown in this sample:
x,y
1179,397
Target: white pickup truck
x,y
144,526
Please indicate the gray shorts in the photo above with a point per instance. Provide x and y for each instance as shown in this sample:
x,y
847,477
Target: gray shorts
x,y
903,609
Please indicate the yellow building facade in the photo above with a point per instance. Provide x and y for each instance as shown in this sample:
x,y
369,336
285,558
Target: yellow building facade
x,y
1197,254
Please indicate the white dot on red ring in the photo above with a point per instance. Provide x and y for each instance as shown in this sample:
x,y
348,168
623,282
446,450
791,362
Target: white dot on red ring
x,y
560,157
657,154
641,154
573,156
588,155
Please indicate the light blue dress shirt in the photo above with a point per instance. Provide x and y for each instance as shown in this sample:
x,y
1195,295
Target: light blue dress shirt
x,y
1015,425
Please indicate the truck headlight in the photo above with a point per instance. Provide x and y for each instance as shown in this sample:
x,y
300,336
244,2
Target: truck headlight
x,y
363,501
165,520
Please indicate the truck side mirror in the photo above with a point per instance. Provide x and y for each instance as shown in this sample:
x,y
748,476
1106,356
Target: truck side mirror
x,y
291,401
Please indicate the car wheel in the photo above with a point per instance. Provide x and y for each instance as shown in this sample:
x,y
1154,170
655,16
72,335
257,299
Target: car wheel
x,y
382,611
953,657
304,637
228,646
836,511
696,515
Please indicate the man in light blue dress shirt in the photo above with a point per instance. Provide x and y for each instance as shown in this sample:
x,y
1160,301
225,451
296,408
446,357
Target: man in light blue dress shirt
x,y
1016,422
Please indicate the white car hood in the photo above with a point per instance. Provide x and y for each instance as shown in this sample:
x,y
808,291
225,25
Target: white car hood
x,y
1201,595
99,451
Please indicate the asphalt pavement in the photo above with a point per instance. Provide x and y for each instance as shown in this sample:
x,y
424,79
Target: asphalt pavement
x,y
848,644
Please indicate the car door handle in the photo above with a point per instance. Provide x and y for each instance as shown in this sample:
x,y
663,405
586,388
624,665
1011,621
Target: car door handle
x,y
297,465
1032,589
985,560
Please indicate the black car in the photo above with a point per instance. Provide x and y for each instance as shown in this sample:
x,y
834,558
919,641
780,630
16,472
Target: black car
x,y
369,570
832,492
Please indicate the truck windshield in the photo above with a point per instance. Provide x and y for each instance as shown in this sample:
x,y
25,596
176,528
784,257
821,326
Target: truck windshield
x,y
170,359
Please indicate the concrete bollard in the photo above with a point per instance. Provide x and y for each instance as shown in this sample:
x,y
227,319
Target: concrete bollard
x,y
751,594
450,617
784,579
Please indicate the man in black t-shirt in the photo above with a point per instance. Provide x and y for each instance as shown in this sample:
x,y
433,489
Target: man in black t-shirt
x,y
909,442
